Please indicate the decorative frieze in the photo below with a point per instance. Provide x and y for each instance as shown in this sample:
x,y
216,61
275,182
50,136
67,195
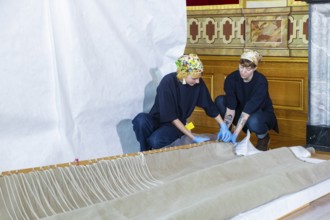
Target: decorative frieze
x,y
273,31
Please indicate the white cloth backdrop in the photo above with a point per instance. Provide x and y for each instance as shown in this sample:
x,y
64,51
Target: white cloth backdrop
x,y
74,73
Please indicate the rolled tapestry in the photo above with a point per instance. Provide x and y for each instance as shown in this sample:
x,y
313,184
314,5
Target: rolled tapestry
x,y
198,181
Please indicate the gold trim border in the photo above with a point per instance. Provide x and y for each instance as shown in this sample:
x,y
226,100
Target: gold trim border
x,y
264,58
93,161
296,3
241,4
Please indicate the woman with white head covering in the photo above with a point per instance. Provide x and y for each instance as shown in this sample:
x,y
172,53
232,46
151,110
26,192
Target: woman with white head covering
x,y
247,103
177,95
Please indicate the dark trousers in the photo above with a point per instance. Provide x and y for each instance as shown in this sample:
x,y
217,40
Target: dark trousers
x,y
151,134
259,122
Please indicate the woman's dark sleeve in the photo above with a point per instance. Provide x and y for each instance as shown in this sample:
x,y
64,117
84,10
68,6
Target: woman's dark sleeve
x,y
258,97
205,101
167,98
230,93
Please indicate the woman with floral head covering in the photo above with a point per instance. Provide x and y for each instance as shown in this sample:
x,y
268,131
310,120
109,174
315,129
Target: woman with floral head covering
x,y
246,102
178,94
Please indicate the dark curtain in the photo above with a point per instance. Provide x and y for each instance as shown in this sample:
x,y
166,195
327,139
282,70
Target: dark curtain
x,y
210,2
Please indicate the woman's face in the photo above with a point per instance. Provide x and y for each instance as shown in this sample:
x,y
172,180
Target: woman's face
x,y
192,80
246,72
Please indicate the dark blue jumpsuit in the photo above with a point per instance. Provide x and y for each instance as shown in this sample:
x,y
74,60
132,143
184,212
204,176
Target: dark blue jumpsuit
x,y
173,101
249,97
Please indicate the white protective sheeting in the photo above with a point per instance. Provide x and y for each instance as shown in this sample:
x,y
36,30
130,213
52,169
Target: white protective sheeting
x,y
74,73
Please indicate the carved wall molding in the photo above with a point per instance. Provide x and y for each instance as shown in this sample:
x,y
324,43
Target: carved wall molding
x,y
272,31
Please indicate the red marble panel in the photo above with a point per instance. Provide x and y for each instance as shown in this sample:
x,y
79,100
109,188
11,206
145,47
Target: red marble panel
x,y
290,29
305,29
194,30
210,30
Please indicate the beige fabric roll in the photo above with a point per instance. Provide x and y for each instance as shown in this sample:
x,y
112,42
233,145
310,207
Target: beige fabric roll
x,y
205,182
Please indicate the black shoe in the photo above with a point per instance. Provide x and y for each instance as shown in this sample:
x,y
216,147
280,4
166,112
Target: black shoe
x,y
263,144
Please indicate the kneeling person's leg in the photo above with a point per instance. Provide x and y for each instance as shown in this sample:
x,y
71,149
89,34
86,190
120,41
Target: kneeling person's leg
x,y
163,136
260,123
144,125
220,103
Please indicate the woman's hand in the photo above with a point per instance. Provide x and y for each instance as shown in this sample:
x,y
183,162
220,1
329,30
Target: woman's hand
x,y
198,139
224,133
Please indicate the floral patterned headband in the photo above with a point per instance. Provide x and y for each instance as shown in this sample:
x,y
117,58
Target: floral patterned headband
x,y
189,65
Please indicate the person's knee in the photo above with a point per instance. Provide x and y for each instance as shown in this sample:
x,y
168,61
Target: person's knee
x,y
139,120
220,104
160,140
219,101
153,142
254,124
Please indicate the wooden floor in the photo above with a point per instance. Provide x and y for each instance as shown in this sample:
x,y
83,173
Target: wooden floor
x,y
279,140
282,141
276,140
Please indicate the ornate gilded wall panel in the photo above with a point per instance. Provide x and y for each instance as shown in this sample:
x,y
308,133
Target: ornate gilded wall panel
x,y
216,34
272,31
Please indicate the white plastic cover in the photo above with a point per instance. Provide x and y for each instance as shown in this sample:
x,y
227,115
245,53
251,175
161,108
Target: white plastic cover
x,y
74,73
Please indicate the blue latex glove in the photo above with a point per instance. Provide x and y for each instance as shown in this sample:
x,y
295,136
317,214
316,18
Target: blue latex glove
x,y
233,139
224,133
198,139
